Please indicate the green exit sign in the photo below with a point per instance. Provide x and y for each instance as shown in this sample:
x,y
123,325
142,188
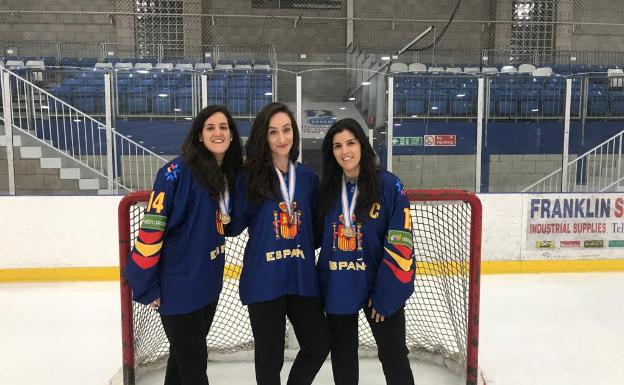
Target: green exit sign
x,y
407,141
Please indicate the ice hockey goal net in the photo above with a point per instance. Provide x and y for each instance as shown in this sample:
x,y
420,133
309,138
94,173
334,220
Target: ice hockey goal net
x,y
442,315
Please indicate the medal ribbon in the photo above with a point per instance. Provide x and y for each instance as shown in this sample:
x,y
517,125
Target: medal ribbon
x,y
348,209
224,201
288,192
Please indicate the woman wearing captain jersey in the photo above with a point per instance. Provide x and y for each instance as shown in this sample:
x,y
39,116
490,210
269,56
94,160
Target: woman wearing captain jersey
x,y
366,259
276,200
176,265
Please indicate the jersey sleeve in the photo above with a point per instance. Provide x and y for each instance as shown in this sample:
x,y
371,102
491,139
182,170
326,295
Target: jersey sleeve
x,y
142,264
394,282
240,209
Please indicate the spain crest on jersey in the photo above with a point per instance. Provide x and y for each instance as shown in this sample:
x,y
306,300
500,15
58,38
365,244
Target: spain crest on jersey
x,y
342,240
285,226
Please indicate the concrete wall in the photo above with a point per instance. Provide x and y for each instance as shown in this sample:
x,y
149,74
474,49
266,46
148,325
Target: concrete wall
x,y
287,35
507,173
435,171
43,29
317,86
512,173
598,38
389,35
293,36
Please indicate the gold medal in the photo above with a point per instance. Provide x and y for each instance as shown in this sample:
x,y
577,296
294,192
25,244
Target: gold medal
x,y
225,219
348,232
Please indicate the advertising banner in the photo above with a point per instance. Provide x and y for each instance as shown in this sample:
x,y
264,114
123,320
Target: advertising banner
x,y
569,224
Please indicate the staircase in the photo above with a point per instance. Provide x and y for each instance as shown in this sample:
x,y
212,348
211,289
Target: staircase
x,y
59,149
40,171
600,169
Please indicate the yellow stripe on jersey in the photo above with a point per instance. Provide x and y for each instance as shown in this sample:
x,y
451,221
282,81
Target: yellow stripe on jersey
x,y
405,264
147,250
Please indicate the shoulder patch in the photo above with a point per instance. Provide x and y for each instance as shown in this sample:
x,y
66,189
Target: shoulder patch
x,y
172,171
399,187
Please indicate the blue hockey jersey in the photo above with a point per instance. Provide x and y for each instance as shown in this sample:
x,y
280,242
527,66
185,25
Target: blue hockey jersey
x,y
178,255
279,256
376,262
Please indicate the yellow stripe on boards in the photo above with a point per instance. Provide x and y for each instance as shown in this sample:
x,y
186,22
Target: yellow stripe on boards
x,y
550,266
60,274
67,274
405,264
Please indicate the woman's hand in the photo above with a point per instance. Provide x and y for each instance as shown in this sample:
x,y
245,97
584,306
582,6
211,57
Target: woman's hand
x,y
374,314
156,304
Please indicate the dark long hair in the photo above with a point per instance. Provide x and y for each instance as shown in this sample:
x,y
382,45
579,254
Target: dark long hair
x,y
203,163
259,170
331,180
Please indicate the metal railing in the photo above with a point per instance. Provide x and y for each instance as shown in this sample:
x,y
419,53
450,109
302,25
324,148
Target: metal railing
x,y
598,170
77,136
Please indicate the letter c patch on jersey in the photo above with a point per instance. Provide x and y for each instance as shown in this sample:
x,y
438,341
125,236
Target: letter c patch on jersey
x,y
374,211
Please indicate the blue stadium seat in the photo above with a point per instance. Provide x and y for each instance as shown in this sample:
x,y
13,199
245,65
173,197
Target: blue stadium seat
x,y
260,79
74,83
184,100
552,101
616,103
414,101
70,62
403,81
169,83
259,99
579,68
506,102
85,99
88,61
218,79
63,92
136,100
146,82
597,68
575,108
238,100
162,101
438,102
97,82
529,101
561,69
598,102
398,105
49,60
461,101
239,79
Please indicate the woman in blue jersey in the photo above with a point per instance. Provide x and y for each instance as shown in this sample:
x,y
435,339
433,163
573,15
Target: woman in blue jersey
x,y
276,200
366,259
176,265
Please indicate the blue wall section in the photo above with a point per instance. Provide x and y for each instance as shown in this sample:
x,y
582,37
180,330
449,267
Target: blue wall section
x,y
466,133
166,137
502,137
